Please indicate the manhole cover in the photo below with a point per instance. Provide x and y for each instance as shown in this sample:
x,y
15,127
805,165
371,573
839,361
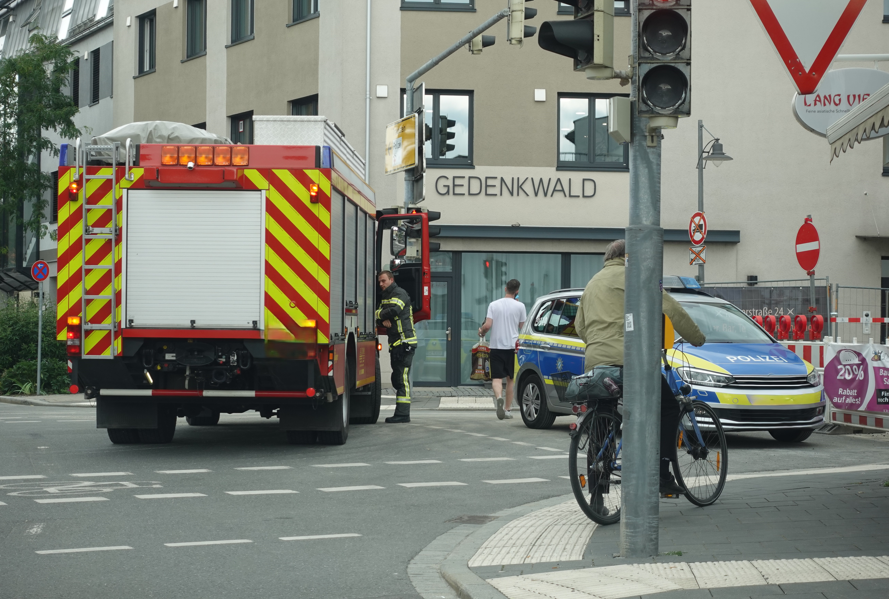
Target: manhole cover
x,y
472,519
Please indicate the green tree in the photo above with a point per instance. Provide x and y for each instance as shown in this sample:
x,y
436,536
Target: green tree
x,y
32,103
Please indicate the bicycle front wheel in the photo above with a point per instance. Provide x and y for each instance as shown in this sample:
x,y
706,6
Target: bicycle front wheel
x,y
594,467
702,455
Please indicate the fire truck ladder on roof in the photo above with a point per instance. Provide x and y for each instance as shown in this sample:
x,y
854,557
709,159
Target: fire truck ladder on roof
x,y
107,235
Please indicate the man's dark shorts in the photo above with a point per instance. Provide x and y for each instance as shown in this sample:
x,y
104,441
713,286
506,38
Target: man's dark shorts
x,y
502,363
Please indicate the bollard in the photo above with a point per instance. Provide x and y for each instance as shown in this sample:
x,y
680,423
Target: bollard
x,y
784,328
799,327
770,324
816,328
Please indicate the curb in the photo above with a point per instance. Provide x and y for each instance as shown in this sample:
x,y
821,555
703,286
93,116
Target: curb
x,y
37,402
454,569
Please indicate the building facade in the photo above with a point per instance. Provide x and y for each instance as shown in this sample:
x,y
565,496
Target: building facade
x,y
530,186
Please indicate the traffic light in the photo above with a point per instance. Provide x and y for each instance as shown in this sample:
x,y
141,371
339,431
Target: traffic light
x,y
415,228
445,135
488,271
588,39
432,215
664,60
516,30
480,42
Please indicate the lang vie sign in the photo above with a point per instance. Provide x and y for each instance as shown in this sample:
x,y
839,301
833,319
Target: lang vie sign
x,y
401,145
838,93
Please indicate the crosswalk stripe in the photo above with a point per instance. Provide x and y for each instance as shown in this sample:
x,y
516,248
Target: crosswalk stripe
x,y
352,465
199,543
440,484
359,488
193,471
409,462
71,499
169,495
91,474
269,492
82,550
265,468
515,481
23,477
486,459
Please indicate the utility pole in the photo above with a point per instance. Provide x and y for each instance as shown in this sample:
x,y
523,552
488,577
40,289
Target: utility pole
x,y
642,334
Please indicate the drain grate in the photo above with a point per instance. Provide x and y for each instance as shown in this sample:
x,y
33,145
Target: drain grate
x,y
472,519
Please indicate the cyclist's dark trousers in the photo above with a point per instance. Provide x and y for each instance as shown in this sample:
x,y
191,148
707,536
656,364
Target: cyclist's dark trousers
x,y
669,421
401,357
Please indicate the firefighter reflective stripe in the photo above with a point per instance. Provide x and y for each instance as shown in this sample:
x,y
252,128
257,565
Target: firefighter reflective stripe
x,y
297,251
405,376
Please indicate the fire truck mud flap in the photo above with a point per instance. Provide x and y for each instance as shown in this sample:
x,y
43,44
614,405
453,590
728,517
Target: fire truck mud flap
x,y
330,420
111,413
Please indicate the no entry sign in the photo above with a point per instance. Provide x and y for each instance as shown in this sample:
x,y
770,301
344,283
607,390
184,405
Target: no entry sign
x,y
808,246
697,228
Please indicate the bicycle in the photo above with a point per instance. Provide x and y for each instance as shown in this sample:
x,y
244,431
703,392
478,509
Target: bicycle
x,y
594,465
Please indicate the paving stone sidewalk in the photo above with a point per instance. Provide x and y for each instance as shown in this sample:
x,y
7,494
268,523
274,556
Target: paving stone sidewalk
x,y
820,535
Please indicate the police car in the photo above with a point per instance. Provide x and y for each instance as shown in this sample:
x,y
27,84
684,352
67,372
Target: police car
x,y
752,381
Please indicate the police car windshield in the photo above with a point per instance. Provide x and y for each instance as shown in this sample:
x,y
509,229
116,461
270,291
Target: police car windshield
x,y
724,323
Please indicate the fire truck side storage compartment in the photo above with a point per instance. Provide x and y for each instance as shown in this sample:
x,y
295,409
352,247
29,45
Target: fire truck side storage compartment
x,y
190,264
336,263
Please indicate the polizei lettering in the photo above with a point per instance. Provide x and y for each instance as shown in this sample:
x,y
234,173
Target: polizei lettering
x,y
755,359
538,187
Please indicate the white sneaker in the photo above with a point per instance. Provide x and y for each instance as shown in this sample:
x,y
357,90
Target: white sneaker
x,y
507,415
500,413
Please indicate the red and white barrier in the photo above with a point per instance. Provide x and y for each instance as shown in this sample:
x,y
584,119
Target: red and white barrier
x,y
859,420
810,351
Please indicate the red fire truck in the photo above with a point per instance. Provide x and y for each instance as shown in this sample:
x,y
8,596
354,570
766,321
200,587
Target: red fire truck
x,y
198,277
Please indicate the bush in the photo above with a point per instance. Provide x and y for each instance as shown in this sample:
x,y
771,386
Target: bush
x,y
18,350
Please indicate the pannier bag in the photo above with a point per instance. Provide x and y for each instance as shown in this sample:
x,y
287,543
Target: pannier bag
x,y
602,382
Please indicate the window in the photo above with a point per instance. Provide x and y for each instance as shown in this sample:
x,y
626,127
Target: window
x,y
886,11
196,28
461,5
95,69
307,106
449,114
102,10
621,8
147,36
242,128
242,20
4,23
75,83
561,320
584,267
304,9
31,21
542,317
65,23
54,197
584,142
200,126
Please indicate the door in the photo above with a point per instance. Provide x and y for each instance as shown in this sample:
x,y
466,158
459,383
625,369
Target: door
x,y
438,352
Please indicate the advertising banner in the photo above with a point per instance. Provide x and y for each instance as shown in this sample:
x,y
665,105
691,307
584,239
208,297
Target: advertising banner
x,y
856,377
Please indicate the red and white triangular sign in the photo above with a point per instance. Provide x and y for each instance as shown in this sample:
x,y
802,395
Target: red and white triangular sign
x,y
807,34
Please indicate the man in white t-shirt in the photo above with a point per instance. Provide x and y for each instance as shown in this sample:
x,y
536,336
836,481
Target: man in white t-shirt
x,y
505,318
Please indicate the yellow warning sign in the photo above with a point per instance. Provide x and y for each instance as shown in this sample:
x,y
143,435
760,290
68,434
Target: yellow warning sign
x,y
401,145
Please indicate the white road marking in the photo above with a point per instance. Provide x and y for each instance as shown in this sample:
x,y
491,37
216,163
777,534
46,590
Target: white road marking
x,y
193,471
548,457
71,499
352,465
477,434
516,481
523,443
441,484
550,449
265,468
487,459
10,417
91,474
409,462
21,421
430,426
566,477
313,537
78,420
82,550
26,476
268,492
1,503
168,495
361,488
35,529
454,430
199,543
498,438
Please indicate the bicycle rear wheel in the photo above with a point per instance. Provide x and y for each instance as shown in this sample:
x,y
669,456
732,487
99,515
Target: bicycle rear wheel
x,y
594,467
702,462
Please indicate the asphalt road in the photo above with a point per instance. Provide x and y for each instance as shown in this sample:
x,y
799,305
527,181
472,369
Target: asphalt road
x,y
234,511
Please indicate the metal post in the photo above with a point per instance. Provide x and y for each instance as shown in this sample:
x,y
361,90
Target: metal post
x,y
39,336
642,331
409,175
701,185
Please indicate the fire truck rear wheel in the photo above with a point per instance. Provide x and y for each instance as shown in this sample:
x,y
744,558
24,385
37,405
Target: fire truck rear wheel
x,y
301,437
375,399
204,418
166,427
338,437
123,436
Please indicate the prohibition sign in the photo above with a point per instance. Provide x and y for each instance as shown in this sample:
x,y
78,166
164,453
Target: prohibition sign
x,y
697,228
40,271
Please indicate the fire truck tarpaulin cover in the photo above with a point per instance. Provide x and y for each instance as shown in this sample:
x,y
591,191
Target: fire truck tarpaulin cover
x,y
856,377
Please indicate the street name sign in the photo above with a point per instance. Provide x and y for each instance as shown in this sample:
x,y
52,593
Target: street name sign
x,y
808,246
697,228
807,34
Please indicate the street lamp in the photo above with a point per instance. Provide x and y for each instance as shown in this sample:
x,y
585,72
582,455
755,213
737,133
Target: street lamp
x,y
711,153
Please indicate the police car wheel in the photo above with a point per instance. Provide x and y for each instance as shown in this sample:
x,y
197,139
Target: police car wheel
x,y
532,403
790,435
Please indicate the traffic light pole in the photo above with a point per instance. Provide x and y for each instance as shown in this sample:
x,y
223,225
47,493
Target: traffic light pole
x,y
411,175
642,336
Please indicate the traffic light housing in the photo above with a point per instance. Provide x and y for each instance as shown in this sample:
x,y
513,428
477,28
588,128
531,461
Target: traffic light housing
x,y
664,47
445,135
516,29
415,228
431,216
588,39
480,42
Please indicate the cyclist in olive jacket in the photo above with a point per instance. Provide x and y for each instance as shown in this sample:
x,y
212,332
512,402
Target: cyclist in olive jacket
x,y
396,314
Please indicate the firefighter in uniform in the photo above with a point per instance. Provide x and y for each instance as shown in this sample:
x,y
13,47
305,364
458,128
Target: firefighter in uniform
x,y
396,314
